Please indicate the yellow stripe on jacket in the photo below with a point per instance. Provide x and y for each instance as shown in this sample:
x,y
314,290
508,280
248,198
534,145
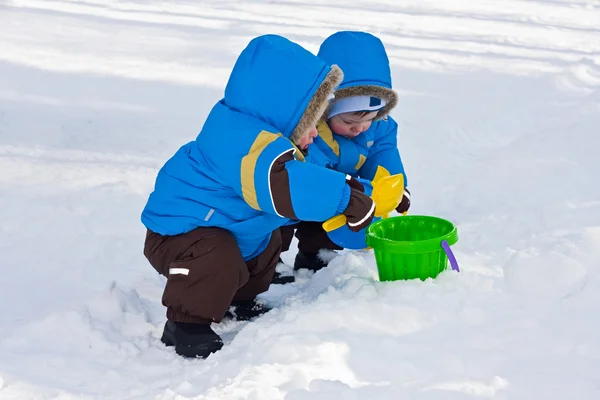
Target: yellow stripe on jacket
x,y
250,162
327,136
248,166
361,161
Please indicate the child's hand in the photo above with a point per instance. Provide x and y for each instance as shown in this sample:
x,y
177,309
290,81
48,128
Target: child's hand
x,y
404,203
354,183
360,210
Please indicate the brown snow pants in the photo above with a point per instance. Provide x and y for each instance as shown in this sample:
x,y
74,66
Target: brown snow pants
x,y
205,272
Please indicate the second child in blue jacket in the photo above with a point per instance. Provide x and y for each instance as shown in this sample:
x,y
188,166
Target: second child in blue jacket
x,y
356,134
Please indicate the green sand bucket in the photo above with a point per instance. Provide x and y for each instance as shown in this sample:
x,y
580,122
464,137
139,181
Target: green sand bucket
x,y
412,246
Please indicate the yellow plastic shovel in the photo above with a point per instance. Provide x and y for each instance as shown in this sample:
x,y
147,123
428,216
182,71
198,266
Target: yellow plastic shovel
x,y
387,192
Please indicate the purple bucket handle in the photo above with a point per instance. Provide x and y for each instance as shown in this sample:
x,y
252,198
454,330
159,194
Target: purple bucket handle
x,y
450,255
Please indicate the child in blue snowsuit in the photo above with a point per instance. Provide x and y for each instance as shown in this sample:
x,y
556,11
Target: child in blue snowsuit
x,y
356,135
213,218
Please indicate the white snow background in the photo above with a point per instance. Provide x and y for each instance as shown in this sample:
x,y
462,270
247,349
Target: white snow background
x,y
499,131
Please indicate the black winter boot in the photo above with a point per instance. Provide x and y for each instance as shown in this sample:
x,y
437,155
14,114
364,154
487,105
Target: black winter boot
x,y
245,310
310,261
191,340
279,279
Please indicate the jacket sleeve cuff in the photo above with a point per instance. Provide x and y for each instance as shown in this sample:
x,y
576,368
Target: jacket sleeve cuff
x,y
344,200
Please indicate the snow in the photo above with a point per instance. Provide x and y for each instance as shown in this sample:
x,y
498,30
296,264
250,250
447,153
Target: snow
x,y
499,115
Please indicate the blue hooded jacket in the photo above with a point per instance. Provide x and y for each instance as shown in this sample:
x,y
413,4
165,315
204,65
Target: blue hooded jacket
x,y
366,67
242,173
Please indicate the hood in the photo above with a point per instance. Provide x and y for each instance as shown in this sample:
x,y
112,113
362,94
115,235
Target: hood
x,y
279,82
366,66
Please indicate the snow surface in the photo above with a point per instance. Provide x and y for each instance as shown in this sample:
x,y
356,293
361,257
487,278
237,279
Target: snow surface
x,y
499,130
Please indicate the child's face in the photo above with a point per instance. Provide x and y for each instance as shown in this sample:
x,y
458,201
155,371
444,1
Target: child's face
x,y
307,138
351,124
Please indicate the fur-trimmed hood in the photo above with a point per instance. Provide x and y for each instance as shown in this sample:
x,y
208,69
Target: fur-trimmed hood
x,y
281,83
318,104
364,61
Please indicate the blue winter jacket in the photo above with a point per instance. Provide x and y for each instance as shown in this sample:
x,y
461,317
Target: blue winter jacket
x,y
363,59
232,176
